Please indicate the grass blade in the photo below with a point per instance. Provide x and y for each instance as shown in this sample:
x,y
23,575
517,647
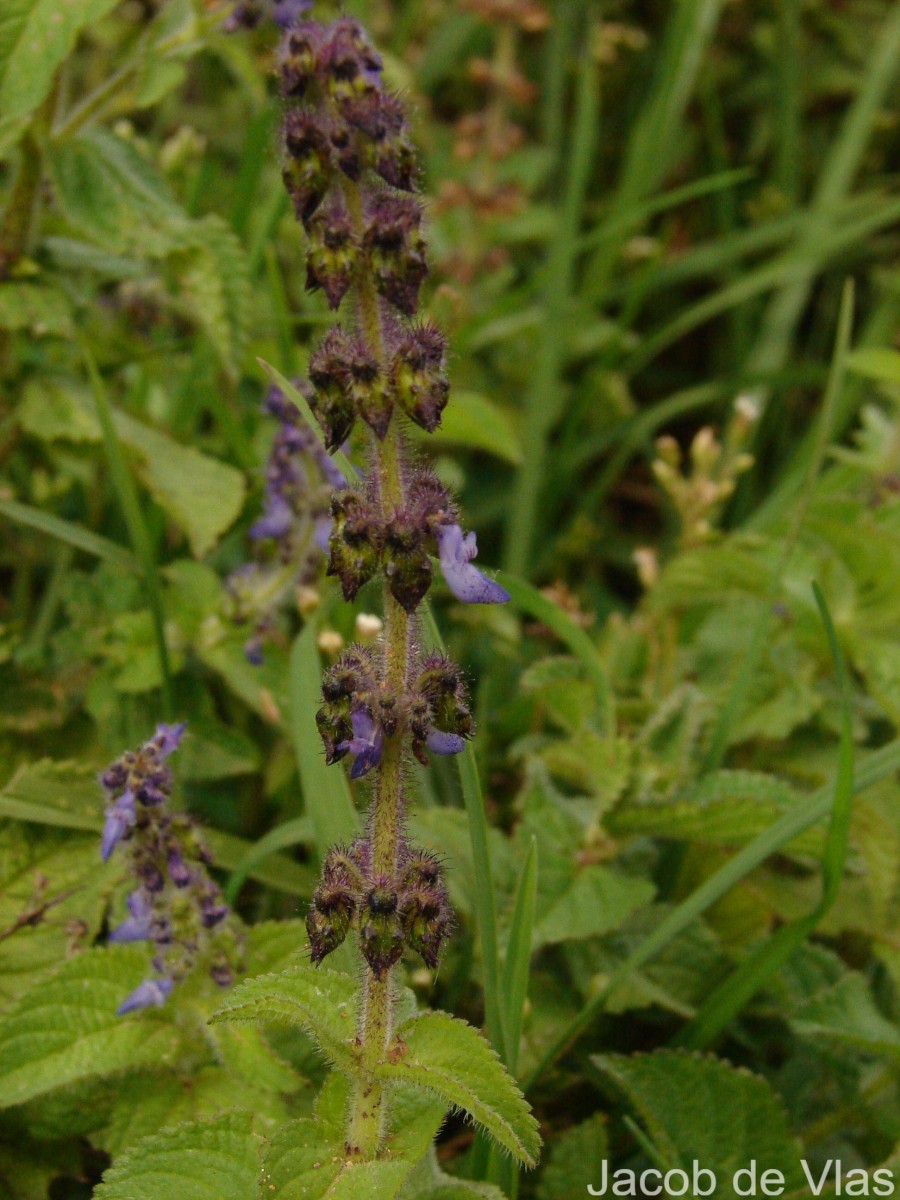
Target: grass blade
x,y
71,534
484,899
724,1004
127,492
297,832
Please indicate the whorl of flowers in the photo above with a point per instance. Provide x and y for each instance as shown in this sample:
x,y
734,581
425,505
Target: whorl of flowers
x,y
293,532
350,169
174,904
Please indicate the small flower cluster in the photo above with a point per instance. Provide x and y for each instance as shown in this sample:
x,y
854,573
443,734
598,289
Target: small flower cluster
x,y
175,904
410,909
300,477
250,13
360,709
365,539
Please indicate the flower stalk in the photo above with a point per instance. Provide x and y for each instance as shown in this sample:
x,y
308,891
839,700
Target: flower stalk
x,y
350,172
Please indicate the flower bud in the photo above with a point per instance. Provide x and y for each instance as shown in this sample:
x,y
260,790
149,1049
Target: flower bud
x,y
299,58
331,255
396,249
307,171
442,685
355,543
421,387
329,373
406,562
350,63
380,934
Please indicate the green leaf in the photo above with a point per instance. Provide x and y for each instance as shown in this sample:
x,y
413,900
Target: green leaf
x,y
597,901
518,953
203,1160
35,37
876,362
66,1028
215,281
52,900
321,1002
452,1060
846,1013
575,1160
700,1108
43,311
201,494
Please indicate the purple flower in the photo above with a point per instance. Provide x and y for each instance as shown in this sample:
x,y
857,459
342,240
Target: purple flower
x,y
367,743
439,742
119,818
139,926
465,581
168,737
150,994
277,521
288,12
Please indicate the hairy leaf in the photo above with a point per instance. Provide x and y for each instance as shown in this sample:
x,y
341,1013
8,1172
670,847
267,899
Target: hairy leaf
x,y
204,1160
321,1002
66,1028
695,1107
452,1060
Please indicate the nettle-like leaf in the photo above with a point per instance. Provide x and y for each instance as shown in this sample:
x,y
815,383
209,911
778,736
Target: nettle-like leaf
x,y
575,1160
43,311
35,37
117,198
429,1182
203,1160
306,1159
725,808
66,1029
597,901
698,1107
450,1059
846,1013
319,1001
201,494
51,902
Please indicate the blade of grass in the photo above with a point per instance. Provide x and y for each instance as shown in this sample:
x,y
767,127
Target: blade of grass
x,y
297,832
528,599
126,490
654,135
326,793
878,765
726,1001
515,992
484,899
743,680
785,309
518,953
71,534
792,266
545,398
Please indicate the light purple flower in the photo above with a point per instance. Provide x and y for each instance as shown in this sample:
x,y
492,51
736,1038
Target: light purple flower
x,y
322,532
168,737
367,744
277,520
137,927
150,994
119,818
439,742
288,12
465,581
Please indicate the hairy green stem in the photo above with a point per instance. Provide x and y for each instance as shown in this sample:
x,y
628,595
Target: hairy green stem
x,y
368,1116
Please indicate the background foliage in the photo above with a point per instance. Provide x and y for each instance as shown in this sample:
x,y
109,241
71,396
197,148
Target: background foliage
x,y
639,212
